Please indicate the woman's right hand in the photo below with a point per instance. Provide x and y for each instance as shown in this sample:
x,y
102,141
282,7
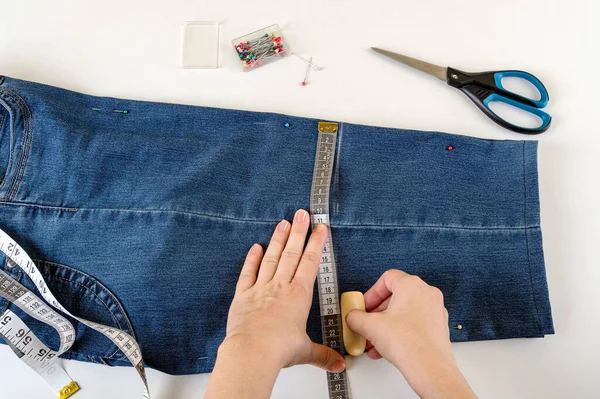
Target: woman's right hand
x,y
406,323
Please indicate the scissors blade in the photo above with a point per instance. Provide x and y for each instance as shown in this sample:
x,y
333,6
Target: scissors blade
x,y
434,70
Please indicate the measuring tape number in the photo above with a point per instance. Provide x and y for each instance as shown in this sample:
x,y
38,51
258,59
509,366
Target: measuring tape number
x,y
331,320
28,347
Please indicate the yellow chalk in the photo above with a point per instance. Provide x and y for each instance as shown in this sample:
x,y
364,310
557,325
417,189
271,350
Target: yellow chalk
x,y
354,343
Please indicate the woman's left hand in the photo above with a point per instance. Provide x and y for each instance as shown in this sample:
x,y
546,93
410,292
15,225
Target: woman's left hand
x,y
273,298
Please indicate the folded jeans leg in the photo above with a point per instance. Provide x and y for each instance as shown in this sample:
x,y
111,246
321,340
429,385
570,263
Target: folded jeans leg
x,y
159,205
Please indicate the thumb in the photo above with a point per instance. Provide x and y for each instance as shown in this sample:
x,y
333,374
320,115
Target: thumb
x,y
326,358
358,321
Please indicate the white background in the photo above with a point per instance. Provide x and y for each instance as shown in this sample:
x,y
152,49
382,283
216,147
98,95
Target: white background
x,y
132,49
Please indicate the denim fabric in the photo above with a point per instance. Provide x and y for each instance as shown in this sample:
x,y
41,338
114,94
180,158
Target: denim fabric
x,y
142,219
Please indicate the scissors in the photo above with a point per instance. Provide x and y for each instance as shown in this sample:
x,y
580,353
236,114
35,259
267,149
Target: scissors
x,y
484,87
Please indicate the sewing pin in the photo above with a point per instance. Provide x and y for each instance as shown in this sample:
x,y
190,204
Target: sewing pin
x,y
307,71
318,68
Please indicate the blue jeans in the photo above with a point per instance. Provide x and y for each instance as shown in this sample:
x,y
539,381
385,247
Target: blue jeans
x,y
140,215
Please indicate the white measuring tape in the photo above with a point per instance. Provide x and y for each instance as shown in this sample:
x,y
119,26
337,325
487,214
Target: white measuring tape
x,y
30,349
35,354
331,320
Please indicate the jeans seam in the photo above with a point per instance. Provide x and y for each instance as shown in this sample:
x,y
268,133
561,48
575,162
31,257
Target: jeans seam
x,y
28,137
10,154
36,206
2,138
336,174
433,227
93,359
49,276
137,210
112,314
12,180
116,301
265,221
537,312
25,143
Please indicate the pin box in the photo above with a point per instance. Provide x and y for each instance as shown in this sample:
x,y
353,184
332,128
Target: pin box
x,y
261,47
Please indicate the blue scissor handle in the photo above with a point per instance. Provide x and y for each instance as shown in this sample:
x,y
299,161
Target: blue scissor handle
x,y
542,102
546,119
485,87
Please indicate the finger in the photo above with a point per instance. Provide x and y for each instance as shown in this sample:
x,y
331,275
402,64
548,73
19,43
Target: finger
x,y
383,288
374,354
383,305
360,322
290,257
311,258
326,358
250,268
270,261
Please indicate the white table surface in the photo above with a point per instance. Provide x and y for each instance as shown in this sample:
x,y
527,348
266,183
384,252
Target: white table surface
x,y
132,49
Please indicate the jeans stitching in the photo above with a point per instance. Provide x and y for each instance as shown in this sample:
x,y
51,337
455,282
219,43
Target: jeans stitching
x,y
102,286
336,175
136,210
114,316
26,141
3,117
12,180
433,227
10,153
537,312
263,221
1,138
109,293
42,207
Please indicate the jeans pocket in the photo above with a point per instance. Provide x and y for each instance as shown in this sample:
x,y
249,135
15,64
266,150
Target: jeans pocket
x,y
83,296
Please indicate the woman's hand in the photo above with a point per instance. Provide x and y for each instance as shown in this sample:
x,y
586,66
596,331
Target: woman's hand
x,y
407,324
266,328
274,295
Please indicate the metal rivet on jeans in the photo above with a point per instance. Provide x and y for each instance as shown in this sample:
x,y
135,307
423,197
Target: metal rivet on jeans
x,y
10,263
459,326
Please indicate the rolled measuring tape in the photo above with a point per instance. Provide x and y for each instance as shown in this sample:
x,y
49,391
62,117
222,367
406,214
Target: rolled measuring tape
x,y
28,347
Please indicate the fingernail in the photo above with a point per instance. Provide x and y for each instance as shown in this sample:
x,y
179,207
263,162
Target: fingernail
x,y
283,225
254,249
338,367
301,215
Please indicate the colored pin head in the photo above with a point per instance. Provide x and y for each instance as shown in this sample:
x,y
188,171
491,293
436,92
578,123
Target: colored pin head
x,y
260,47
